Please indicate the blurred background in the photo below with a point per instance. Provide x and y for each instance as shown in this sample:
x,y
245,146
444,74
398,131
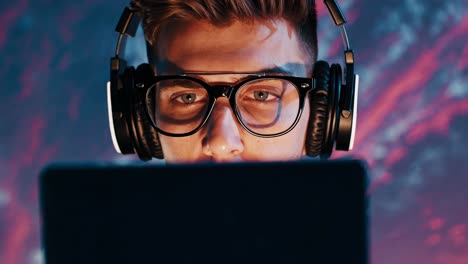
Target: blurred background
x,y
412,57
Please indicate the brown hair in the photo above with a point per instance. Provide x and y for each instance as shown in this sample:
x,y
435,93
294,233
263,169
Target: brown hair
x,y
300,13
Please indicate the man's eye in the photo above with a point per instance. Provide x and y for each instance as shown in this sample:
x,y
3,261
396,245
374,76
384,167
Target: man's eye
x,y
187,98
261,95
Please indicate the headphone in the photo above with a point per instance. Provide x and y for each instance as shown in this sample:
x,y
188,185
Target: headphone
x,y
333,104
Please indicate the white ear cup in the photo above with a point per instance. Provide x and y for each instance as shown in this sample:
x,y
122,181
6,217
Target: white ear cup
x,y
355,103
111,120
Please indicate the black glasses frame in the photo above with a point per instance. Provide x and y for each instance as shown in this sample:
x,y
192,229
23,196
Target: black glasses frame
x,y
302,85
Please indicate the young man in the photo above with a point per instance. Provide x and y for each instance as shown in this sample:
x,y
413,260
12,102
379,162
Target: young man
x,y
218,44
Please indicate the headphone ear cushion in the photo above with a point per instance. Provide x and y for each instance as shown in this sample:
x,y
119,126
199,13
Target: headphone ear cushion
x,y
150,144
317,126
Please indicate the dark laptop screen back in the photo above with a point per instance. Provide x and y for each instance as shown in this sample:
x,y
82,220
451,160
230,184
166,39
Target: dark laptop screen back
x,y
294,212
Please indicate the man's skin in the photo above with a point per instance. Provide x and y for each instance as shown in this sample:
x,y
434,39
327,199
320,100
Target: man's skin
x,y
197,46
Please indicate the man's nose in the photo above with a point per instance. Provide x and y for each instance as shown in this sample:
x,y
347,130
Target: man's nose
x,y
222,141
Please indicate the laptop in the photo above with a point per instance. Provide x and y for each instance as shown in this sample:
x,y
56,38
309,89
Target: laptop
x,y
264,212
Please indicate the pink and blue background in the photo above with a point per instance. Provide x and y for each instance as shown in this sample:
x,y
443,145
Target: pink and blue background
x,y
412,57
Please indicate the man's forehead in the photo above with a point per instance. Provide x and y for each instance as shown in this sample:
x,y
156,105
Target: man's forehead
x,y
236,48
263,28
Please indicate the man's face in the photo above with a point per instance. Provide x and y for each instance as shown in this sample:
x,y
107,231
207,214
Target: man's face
x,y
198,46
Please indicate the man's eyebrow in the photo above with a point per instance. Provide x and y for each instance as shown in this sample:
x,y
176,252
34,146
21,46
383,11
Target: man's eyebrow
x,y
288,69
276,71
181,83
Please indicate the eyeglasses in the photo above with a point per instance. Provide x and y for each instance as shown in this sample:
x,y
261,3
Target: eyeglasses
x,y
266,106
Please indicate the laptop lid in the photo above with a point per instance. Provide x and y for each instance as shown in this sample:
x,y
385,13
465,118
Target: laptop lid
x,y
283,212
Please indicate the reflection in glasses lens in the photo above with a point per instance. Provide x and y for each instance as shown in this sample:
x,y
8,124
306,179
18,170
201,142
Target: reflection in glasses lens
x,y
268,106
180,105
263,106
